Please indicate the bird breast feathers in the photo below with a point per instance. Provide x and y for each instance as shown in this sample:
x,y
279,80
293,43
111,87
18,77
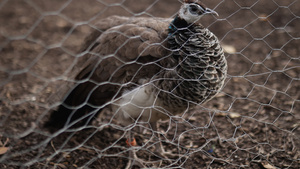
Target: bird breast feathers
x,y
139,103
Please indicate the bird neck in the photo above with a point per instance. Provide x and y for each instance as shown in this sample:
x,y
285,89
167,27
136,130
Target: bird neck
x,y
177,24
188,47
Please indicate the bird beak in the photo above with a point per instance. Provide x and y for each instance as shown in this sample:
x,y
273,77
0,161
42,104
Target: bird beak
x,y
210,11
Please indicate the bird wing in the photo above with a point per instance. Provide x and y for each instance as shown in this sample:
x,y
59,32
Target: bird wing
x,y
118,56
121,51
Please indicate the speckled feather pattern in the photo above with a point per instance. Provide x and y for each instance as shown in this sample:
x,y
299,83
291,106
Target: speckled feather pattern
x,y
200,67
175,67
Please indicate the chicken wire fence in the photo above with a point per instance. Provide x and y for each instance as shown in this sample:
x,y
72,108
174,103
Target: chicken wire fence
x,y
252,123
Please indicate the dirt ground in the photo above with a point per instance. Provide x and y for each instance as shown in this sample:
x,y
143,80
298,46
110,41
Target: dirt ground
x,y
253,123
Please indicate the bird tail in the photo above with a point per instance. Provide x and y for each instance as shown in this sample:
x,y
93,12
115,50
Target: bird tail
x,y
74,110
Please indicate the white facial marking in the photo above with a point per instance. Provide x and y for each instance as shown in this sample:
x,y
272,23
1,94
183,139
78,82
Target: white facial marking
x,y
185,14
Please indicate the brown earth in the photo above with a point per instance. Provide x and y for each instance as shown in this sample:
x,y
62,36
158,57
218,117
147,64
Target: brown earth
x,y
253,123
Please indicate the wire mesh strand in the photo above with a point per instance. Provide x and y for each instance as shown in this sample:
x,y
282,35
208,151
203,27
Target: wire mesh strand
x,y
253,122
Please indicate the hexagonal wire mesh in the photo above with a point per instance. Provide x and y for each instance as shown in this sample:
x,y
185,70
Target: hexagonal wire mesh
x,y
253,122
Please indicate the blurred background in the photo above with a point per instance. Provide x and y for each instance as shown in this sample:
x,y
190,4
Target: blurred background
x,y
253,123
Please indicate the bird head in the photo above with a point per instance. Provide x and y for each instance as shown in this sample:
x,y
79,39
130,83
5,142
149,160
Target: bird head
x,y
192,10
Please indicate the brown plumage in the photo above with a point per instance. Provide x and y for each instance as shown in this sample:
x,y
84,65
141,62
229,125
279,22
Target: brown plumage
x,y
145,69
125,50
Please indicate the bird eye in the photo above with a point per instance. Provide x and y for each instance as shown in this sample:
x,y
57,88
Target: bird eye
x,y
194,9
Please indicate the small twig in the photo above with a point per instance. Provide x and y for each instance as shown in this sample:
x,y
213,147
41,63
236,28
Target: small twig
x,y
52,145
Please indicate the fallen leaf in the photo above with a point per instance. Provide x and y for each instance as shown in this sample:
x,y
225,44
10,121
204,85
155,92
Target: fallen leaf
x,y
267,165
296,125
263,17
234,115
61,165
230,114
58,164
229,49
3,150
